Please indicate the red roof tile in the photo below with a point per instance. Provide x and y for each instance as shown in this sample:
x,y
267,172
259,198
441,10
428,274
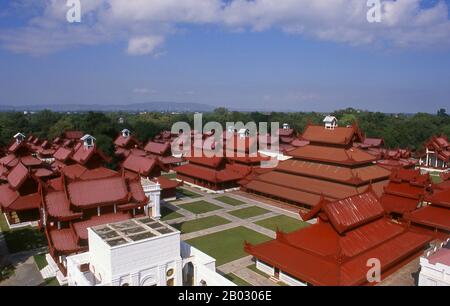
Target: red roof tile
x,y
354,211
62,154
18,176
432,216
30,161
58,206
7,195
157,148
94,193
139,164
338,135
64,240
31,201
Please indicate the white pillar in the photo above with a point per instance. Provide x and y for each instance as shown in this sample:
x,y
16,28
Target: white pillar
x,y
153,192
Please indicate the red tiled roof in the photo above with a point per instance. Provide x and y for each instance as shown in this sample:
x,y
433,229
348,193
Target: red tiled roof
x,y
138,195
7,195
18,176
166,183
397,204
62,154
94,193
58,206
333,172
31,201
8,159
123,142
432,216
83,154
338,135
209,174
139,164
321,254
440,198
97,173
352,156
73,171
64,240
351,212
157,148
30,161
212,162
42,172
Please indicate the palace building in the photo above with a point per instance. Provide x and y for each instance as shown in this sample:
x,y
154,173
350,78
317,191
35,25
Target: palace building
x,y
436,156
336,251
405,192
329,166
141,252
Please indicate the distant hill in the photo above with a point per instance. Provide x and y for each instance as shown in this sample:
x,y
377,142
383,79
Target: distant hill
x,y
136,107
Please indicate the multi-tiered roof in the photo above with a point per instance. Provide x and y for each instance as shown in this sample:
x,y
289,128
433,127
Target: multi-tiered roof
x,y
328,166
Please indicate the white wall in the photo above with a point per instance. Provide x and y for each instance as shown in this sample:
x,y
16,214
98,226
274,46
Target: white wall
x,y
290,280
433,275
265,268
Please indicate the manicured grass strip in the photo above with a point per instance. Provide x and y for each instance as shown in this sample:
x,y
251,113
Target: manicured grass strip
x,y
50,282
237,280
200,224
254,269
230,201
188,193
168,214
40,260
436,179
24,239
3,224
200,207
170,175
227,245
248,212
283,223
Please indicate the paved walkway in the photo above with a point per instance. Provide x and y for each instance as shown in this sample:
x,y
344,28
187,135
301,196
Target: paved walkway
x,y
26,274
239,266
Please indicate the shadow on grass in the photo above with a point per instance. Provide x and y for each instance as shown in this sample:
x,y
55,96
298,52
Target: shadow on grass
x,y
24,239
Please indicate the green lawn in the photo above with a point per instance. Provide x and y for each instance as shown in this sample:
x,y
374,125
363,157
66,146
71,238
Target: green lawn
x,y
168,214
254,269
24,239
237,280
187,193
228,245
170,175
436,179
40,260
283,223
229,201
248,212
200,207
50,282
3,224
199,224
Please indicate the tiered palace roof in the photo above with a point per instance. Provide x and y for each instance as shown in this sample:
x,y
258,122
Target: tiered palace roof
x,y
328,166
336,250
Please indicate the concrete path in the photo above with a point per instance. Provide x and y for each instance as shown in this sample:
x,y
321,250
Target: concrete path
x,y
239,268
26,274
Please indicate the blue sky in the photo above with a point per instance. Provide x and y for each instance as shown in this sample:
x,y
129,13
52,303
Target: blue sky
x,y
266,56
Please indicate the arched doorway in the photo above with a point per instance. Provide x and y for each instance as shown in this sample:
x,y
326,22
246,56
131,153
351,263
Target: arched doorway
x,y
189,274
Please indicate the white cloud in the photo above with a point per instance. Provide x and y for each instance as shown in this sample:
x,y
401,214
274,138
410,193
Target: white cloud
x,y
144,24
144,45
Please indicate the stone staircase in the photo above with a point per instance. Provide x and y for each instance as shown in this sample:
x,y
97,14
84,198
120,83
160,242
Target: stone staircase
x,y
52,270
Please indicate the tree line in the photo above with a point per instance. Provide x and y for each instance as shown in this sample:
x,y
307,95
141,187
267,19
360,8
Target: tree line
x,y
398,130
